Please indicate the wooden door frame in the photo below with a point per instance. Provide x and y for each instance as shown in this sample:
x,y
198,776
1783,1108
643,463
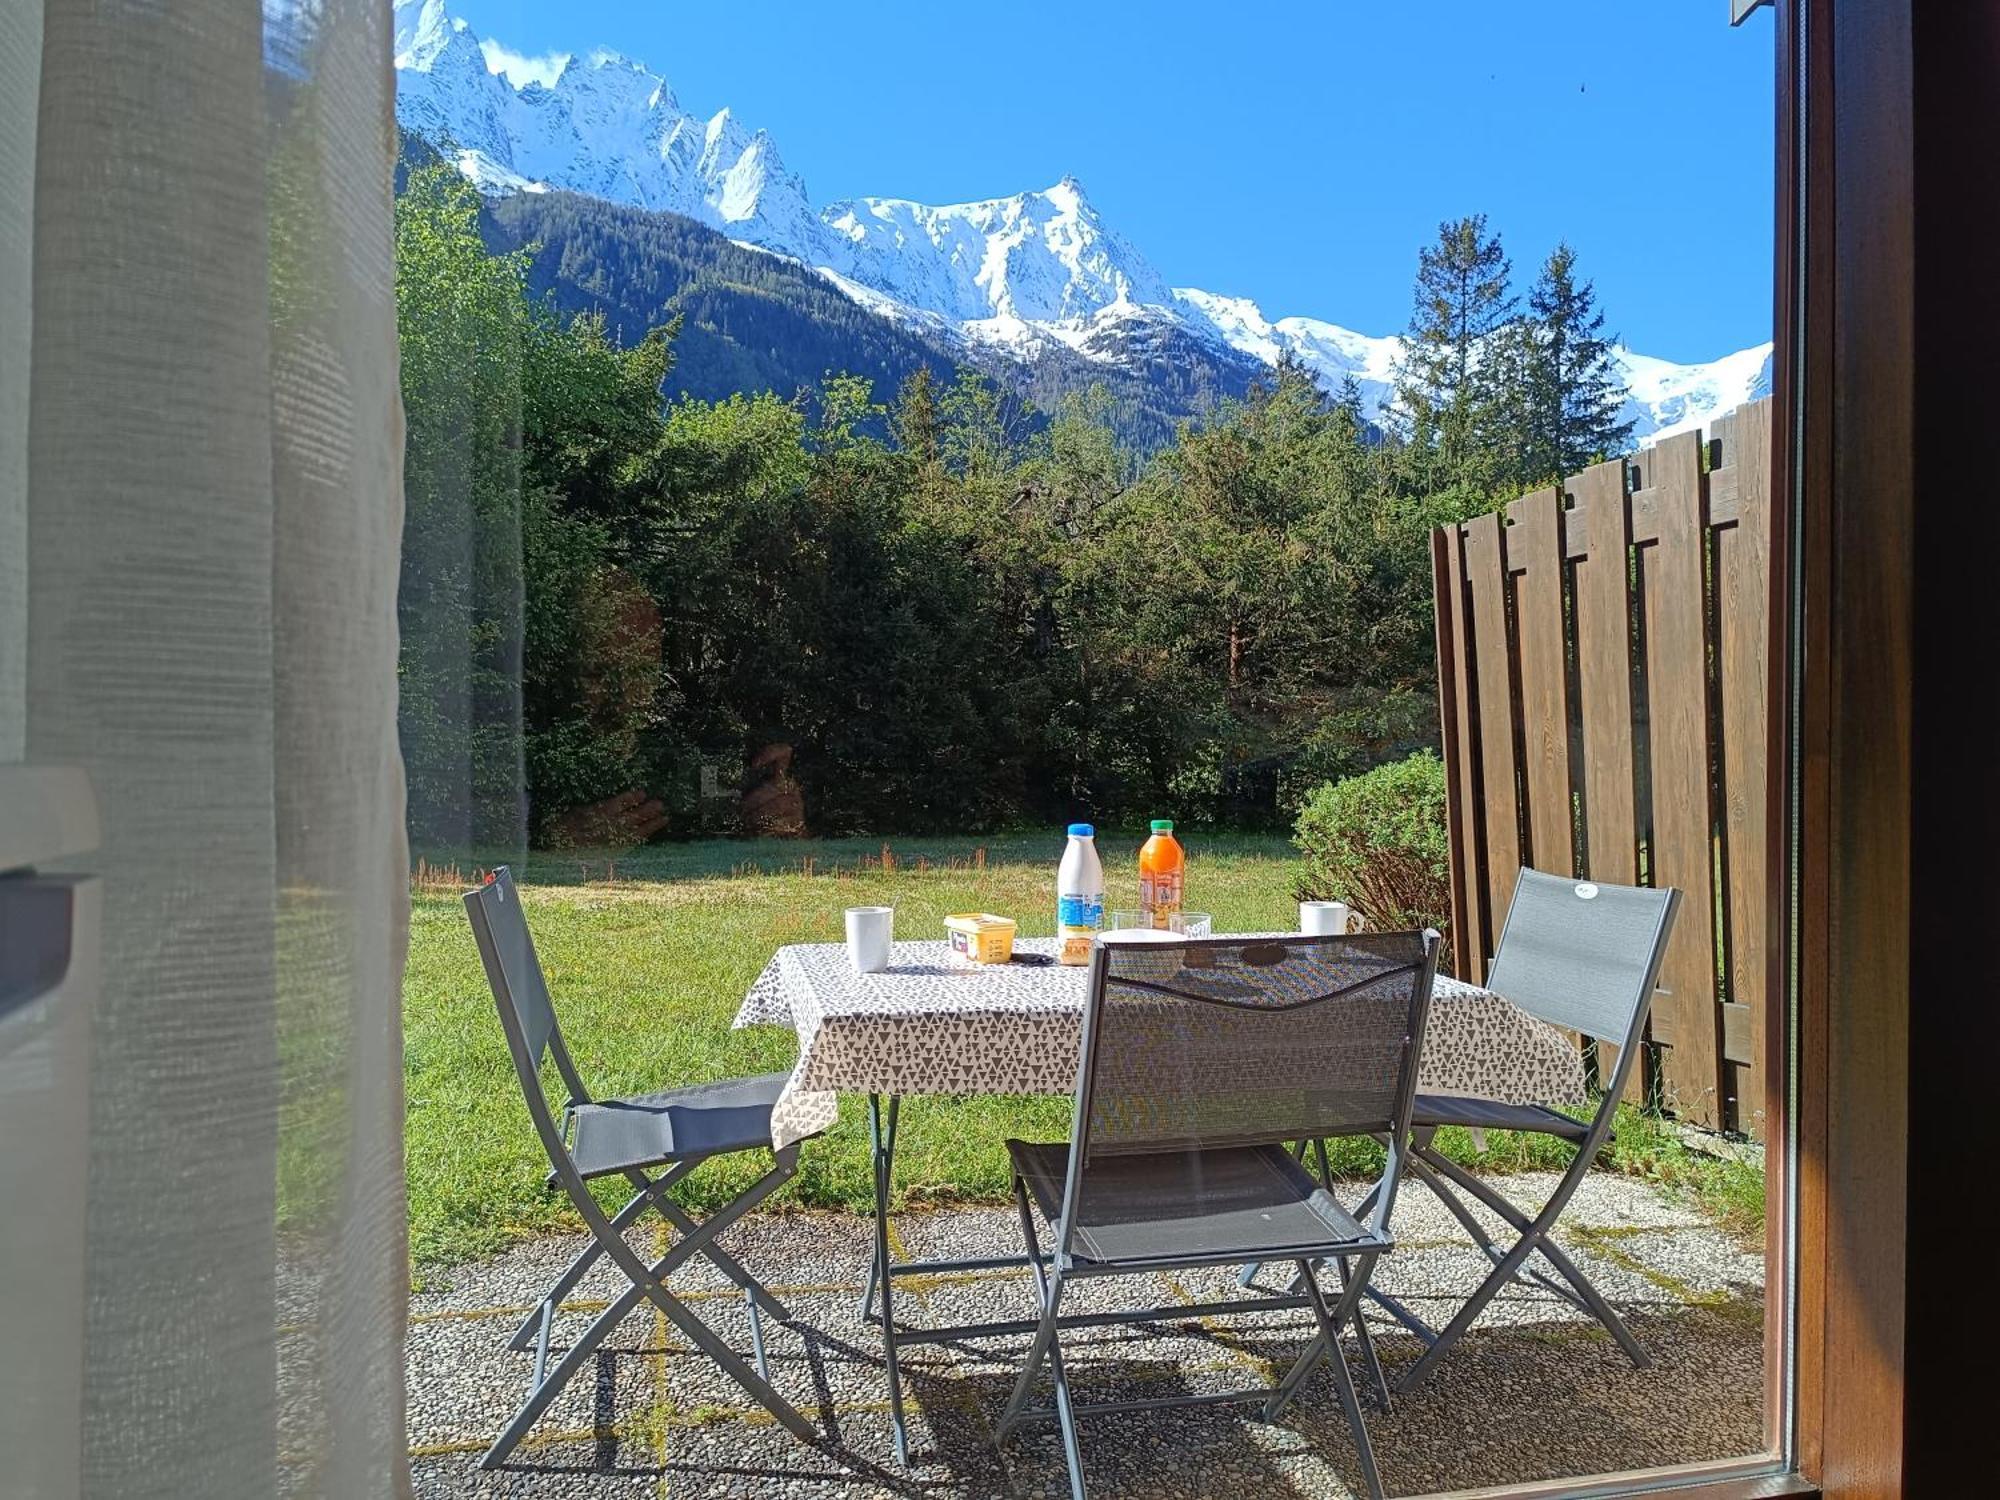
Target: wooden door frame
x,y
1885,313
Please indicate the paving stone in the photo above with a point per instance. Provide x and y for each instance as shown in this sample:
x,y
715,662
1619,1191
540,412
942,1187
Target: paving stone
x,y
964,1233
795,1248
825,1356
464,1383
951,1454
1535,1390
610,1469
1193,1452
519,1276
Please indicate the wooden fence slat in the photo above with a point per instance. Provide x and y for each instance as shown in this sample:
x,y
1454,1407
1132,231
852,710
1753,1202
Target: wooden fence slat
x,y
1681,851
1535,559
1743,590
1492,645
1555,755
1468,926
1604,673
1604,689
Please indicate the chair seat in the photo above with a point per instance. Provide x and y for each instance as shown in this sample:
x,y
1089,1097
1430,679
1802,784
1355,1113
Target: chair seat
x,y
1485,1114
1193,1207
702,1119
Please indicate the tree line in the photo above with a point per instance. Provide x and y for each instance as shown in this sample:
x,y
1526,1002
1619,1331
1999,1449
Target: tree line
x,y
945,616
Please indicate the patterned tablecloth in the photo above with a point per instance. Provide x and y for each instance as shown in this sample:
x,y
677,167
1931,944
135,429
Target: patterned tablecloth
x,y
932,1024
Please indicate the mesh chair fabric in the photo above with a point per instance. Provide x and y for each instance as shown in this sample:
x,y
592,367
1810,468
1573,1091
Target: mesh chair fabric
x,y
1240,1042
1240,1201
703,1119
519,985
1581,954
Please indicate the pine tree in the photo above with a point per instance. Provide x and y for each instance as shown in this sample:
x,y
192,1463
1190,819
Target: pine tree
x,y
1446,387
1571,387
914,422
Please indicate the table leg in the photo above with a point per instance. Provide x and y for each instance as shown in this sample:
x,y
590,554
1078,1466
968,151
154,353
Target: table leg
x,y
882,1148
879,1147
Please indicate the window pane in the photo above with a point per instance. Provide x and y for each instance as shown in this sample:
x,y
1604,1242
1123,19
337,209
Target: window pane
x,y
840,461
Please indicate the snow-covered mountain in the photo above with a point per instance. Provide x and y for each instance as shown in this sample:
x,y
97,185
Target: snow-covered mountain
x,y
1017,277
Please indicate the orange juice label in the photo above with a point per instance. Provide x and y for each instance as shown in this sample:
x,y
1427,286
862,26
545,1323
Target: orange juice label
x,y
1159,895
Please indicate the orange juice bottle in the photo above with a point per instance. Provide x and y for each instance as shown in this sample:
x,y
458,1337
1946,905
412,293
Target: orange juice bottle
x,y
1161,866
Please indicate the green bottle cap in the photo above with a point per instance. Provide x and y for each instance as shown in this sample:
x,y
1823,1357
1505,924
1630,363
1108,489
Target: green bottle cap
x,y
1163,825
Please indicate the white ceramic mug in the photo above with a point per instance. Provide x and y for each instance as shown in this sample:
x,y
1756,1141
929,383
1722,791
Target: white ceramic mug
x,y
869,929
1322,918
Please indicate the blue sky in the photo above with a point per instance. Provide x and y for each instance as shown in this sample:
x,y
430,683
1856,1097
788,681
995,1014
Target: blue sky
x,y
1290,151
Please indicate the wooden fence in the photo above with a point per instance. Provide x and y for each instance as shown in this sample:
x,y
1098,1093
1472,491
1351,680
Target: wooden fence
x,y
1603,661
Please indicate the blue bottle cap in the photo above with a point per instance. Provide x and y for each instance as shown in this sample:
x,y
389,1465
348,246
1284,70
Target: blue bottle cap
x,y
1082,831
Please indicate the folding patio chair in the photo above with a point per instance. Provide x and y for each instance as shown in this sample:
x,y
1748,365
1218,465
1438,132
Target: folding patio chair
x,y
1581,955
1199,1060
676,1130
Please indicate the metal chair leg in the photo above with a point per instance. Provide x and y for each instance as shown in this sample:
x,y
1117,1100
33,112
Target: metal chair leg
x,y
1047,1345
1343,1380
1533,1237
1348,1306
1527,1275
1538,1232
588,1256
1065,1408
648,1282
552,1381
685,1223
756,1333
1365,1340
1045,1329
651,1193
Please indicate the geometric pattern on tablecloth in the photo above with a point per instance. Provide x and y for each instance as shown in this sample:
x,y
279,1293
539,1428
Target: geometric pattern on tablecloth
x,y
934,1024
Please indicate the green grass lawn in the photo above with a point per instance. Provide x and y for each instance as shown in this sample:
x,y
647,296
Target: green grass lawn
x,y
648,955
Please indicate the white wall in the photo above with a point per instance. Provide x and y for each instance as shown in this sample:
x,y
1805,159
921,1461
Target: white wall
x,y
20,95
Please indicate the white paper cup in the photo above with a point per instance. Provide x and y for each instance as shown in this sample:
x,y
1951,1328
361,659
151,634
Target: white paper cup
x,y
1322,918
869,929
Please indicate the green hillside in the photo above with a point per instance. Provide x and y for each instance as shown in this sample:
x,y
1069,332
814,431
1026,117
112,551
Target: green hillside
x,y
750,321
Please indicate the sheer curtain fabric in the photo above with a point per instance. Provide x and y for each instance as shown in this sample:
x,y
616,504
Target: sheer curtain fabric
x,y
200,511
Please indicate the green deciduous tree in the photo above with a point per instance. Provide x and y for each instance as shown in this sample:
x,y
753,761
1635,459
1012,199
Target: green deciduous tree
x,y
462,320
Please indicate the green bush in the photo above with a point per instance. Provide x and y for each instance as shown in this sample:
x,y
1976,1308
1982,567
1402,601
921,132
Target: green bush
x,y
1378,842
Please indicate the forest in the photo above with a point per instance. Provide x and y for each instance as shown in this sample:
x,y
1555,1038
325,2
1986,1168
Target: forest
x,y
927,608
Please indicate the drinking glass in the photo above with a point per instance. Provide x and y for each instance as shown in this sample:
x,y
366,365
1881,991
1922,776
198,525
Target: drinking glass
x,y
1190,924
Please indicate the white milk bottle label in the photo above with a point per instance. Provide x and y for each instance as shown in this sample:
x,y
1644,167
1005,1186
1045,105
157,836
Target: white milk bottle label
x,y
1079,896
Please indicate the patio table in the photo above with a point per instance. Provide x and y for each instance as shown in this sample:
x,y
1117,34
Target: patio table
x,y
934,1024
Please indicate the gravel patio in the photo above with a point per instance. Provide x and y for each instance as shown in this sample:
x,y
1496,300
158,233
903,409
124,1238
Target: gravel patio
x,y
1536,1390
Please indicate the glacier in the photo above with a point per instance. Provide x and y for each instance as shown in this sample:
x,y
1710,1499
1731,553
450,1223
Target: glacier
x,y
1016,275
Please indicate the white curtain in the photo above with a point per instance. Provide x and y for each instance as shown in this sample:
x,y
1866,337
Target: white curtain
x,y
200,510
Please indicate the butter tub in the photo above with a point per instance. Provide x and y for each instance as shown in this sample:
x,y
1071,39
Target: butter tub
x,y
980,937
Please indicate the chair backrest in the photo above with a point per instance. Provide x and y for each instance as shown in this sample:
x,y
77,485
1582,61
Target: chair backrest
x,y
1583,954
1248,1041
515,974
